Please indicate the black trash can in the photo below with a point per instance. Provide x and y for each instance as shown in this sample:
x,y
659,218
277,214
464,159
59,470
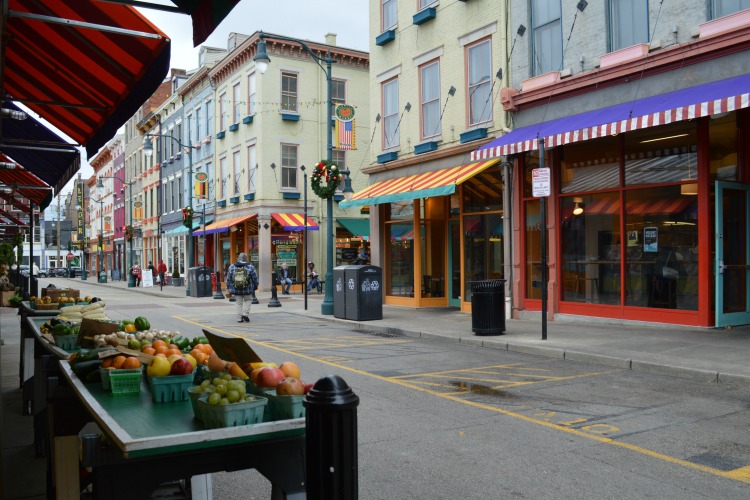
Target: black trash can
x,y
200,281
364,292
339,292
488,307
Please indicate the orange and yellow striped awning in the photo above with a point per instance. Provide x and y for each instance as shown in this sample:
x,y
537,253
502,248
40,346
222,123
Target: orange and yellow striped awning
x,y
295,222
437,183
222,226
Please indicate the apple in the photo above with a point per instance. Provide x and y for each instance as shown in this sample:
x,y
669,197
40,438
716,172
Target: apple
x,y
269,377
181,367
192,360
158,367
290,369
290,386
308,387
173,358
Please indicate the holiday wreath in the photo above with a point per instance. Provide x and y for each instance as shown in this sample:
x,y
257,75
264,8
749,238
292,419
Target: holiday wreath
x,y
187,217
128,233
325,179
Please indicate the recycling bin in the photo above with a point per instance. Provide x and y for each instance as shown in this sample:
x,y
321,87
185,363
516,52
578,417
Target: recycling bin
x,y
364,292
103,277
200,281
488,307
339,292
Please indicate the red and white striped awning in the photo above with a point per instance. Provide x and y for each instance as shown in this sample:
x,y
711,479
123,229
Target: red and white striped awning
x,y
684,104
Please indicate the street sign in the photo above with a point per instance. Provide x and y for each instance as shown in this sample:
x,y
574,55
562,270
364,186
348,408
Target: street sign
x,y
540,182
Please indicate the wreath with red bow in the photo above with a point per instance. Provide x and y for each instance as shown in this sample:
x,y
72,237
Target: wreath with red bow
x,y
187,217
128,233
325,179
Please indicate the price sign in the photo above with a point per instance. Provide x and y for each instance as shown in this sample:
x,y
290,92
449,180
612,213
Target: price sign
x,y
540,182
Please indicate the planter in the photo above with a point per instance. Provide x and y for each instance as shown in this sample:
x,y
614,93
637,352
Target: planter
x,y
178,281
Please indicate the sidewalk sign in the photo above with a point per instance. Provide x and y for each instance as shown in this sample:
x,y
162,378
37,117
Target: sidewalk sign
x,y
147,278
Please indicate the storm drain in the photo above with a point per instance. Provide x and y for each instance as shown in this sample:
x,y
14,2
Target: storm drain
x,y
387,335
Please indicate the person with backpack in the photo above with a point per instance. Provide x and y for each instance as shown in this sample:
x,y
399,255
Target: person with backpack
x,y
242,281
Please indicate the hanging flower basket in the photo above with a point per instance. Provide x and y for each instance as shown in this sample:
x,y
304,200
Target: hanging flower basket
x,y
128,233
101,241
187,217
325,179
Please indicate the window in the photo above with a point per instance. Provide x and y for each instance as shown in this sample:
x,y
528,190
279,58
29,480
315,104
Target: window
x,y
236,172
725,7
167,207
338,157
197,124
252,165
180,192
628,23
222,176
389,16
209,118
430,99
236,103
547,39
479,61
338,92
223,111
426,3
172,202
191,130
288,166
251,94
288,91
390,114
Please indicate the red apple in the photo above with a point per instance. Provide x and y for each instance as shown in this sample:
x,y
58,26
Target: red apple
x,y
308,387
269,377
290,386
181,366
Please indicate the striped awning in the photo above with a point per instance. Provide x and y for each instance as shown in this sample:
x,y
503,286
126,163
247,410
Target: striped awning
x,y
295,222
222,226
684,104
437,183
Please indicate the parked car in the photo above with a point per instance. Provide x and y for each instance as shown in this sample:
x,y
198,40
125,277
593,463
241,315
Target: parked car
x,y
73,272
24,269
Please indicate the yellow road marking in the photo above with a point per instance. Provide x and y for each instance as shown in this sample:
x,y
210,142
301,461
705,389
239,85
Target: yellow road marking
x,y
741,474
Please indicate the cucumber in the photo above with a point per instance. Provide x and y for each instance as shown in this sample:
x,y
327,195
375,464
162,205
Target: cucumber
x,y
83,368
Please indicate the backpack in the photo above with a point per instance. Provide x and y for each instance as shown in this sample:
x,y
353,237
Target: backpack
x,y
241,278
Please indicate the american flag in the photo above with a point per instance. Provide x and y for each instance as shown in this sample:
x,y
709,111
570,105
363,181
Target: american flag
x,y
346,137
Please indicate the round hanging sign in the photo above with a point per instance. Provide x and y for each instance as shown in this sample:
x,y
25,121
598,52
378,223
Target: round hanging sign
x,y
201,176
138,204
345,112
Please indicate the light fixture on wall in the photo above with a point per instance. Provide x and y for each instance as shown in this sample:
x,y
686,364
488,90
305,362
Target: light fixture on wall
x,y
578,209
233,229
691,188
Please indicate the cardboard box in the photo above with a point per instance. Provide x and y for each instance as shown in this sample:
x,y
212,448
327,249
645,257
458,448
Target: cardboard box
x,y
91,327
56,293
231,348
5,297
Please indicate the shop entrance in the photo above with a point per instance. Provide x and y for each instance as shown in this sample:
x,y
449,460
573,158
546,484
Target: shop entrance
x,y
732,254
454,264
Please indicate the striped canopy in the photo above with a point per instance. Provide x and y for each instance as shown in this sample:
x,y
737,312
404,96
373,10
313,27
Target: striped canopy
x,y
295,222
436,183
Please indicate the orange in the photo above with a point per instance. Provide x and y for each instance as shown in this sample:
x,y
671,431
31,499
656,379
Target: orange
x,y
119,360
162,349
131,364
149,350
208,349
107,362
174,346
172,352
161,355
194,352
290,369
158,343
201,357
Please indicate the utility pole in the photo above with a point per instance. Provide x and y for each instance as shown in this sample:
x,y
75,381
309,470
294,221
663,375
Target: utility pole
x,y
59,223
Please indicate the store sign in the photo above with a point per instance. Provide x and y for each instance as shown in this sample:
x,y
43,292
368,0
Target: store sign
x,y
286,255
650,239
540,182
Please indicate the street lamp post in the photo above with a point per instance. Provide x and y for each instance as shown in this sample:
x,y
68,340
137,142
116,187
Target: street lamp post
x,y
100,184
261,63
148,149
101,235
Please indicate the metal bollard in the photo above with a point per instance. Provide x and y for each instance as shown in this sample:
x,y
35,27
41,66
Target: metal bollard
x,y
331,440
274,302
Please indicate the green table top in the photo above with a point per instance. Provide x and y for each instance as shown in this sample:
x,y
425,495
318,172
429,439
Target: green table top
x,y
36,312
36,322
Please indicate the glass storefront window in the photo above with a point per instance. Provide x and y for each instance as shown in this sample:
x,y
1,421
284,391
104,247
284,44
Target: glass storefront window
x,y
723,139
661,249
533,246
590,165
590,246
484,192
433,237
400,259
483,248
287,249
661,154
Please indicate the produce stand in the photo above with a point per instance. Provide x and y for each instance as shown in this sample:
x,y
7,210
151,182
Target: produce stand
x,y
138,444
26,367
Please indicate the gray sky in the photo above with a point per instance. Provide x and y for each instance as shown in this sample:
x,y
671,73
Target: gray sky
x,y
305,19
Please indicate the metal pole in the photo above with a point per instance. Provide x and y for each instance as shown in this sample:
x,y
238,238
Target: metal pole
x,y
544,248
190,205
304,263
326,308
131,278
29,288
58,229
101,235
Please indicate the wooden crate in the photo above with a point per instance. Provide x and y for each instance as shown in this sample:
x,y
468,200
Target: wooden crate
x,y
56,293
47,307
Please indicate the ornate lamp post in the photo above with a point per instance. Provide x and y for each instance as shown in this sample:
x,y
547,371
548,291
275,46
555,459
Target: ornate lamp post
x,y
148,149
100,184
261,63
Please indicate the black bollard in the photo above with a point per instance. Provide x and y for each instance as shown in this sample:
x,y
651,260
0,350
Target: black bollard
x,y
331,440
218,294
274,302
255,299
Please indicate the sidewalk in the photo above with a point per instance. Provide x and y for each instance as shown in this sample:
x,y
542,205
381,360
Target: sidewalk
x,y
705,354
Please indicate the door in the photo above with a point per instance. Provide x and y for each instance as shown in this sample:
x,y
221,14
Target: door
x,y
732,254
454,264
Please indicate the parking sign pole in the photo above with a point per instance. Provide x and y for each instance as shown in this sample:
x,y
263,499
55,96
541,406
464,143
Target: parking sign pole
x,y
541,184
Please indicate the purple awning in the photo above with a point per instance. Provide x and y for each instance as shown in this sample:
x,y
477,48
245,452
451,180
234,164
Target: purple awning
x,y
684,104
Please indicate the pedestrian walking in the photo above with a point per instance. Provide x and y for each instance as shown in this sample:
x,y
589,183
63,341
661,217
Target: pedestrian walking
x,y
285,279
162,274
136,272
242,281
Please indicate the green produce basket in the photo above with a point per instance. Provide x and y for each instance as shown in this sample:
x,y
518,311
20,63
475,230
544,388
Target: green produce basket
x,y
232,415
121,373
66,342
170,388
194,397
124,382
285,407
253,388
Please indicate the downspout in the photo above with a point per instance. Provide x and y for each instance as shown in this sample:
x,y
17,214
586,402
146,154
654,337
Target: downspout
x,y
507,174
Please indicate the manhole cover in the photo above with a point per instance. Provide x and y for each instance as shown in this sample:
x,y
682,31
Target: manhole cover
x,y
377,334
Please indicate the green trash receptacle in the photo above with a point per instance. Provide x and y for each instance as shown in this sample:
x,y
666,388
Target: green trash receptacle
x,y
103,277
488,307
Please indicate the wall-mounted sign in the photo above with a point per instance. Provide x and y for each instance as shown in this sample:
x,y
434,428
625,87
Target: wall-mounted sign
x,y
650,239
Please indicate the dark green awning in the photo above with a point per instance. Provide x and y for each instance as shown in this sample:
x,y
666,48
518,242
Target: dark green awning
x,y
358,227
